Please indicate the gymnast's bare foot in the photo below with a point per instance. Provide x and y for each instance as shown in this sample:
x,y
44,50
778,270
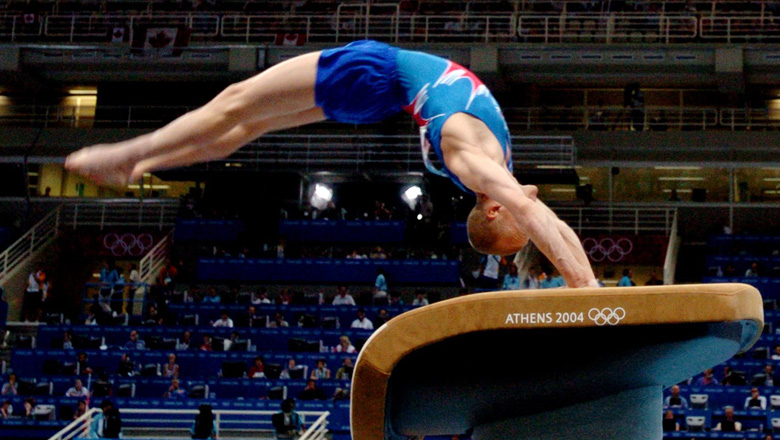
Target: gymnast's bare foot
x,y
104,164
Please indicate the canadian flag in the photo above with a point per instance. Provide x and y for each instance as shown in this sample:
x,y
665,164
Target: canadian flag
x,y
290,39
161,39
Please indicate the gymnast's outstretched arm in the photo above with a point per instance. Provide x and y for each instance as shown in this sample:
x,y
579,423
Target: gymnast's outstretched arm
x,y
281,97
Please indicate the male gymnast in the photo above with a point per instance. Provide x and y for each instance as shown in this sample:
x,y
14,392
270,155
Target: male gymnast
x,y
366,82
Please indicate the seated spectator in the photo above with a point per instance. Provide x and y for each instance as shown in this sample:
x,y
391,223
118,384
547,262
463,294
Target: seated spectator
x,y
675,400
395,299
669,424
290,367
287,423
185,342
175,391
260,297
126,366
171,369
212,297
627,280
6,410
256,370
206,346
153,317
321,372
77,390
753,271
654,280
345,372
731,377
10,388
362,322
223,321
135,343
512,279
381,319
728,425
776,354
204,426
343,298
81,409
29,408
755,401
311,392
82,364
278,321
345,346
67,344
248,318
419,298
766,378
707,379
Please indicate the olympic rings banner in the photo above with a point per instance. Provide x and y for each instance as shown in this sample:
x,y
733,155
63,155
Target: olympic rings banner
x,y
118,244
644,250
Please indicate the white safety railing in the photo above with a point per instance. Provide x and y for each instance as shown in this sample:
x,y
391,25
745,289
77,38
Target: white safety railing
x,y
79,428
606,28
633,220
748,119
154,260
611,118
37,238
672,249
741,28
318,429
155,213
146,420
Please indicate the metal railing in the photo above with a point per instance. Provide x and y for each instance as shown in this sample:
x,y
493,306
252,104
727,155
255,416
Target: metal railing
x,y
154,260
77,428
611,219
518,118
318,429
155,213
606,28
672,250
148,420
37,238
752,28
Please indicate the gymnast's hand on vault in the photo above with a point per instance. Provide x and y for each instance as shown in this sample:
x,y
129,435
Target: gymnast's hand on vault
x,y
104,164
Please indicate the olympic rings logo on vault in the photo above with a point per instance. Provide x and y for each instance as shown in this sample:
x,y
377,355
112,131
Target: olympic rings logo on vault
x,y
606,316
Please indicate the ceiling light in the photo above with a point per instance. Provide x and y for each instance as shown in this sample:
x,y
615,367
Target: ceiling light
x,y
680,179
677,168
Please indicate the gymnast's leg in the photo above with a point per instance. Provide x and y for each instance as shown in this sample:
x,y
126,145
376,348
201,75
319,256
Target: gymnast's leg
x,y
280,97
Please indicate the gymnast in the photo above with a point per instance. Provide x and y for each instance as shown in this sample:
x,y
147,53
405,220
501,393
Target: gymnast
x,y
366,82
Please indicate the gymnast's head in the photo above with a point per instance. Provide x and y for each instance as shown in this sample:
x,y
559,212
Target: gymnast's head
x,y
492,229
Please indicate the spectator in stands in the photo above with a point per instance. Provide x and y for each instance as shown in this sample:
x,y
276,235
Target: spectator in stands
x,y
278,321
345,346
256,370
175,391
755,400
212,297
33,295
488,270
753,271
654,280
707,379
311,392
260,296
77,390
675,400
321,372
512,279
82,364
11,388
669,424
153,316
6,410
171,368
185,342
126,366
107,423
362,322
206,346
345,372
776,354
627,280
729,424
135,343
287,423
29,408
380,285
81,409
395,299
224,320
204,426
67,344
766,378
381,318
343,298
288,372
419,298
731,377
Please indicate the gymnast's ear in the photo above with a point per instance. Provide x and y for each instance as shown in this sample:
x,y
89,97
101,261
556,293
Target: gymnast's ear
x,y
491,210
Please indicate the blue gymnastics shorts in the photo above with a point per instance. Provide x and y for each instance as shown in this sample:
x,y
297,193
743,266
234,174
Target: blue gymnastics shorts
x,y
357,83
